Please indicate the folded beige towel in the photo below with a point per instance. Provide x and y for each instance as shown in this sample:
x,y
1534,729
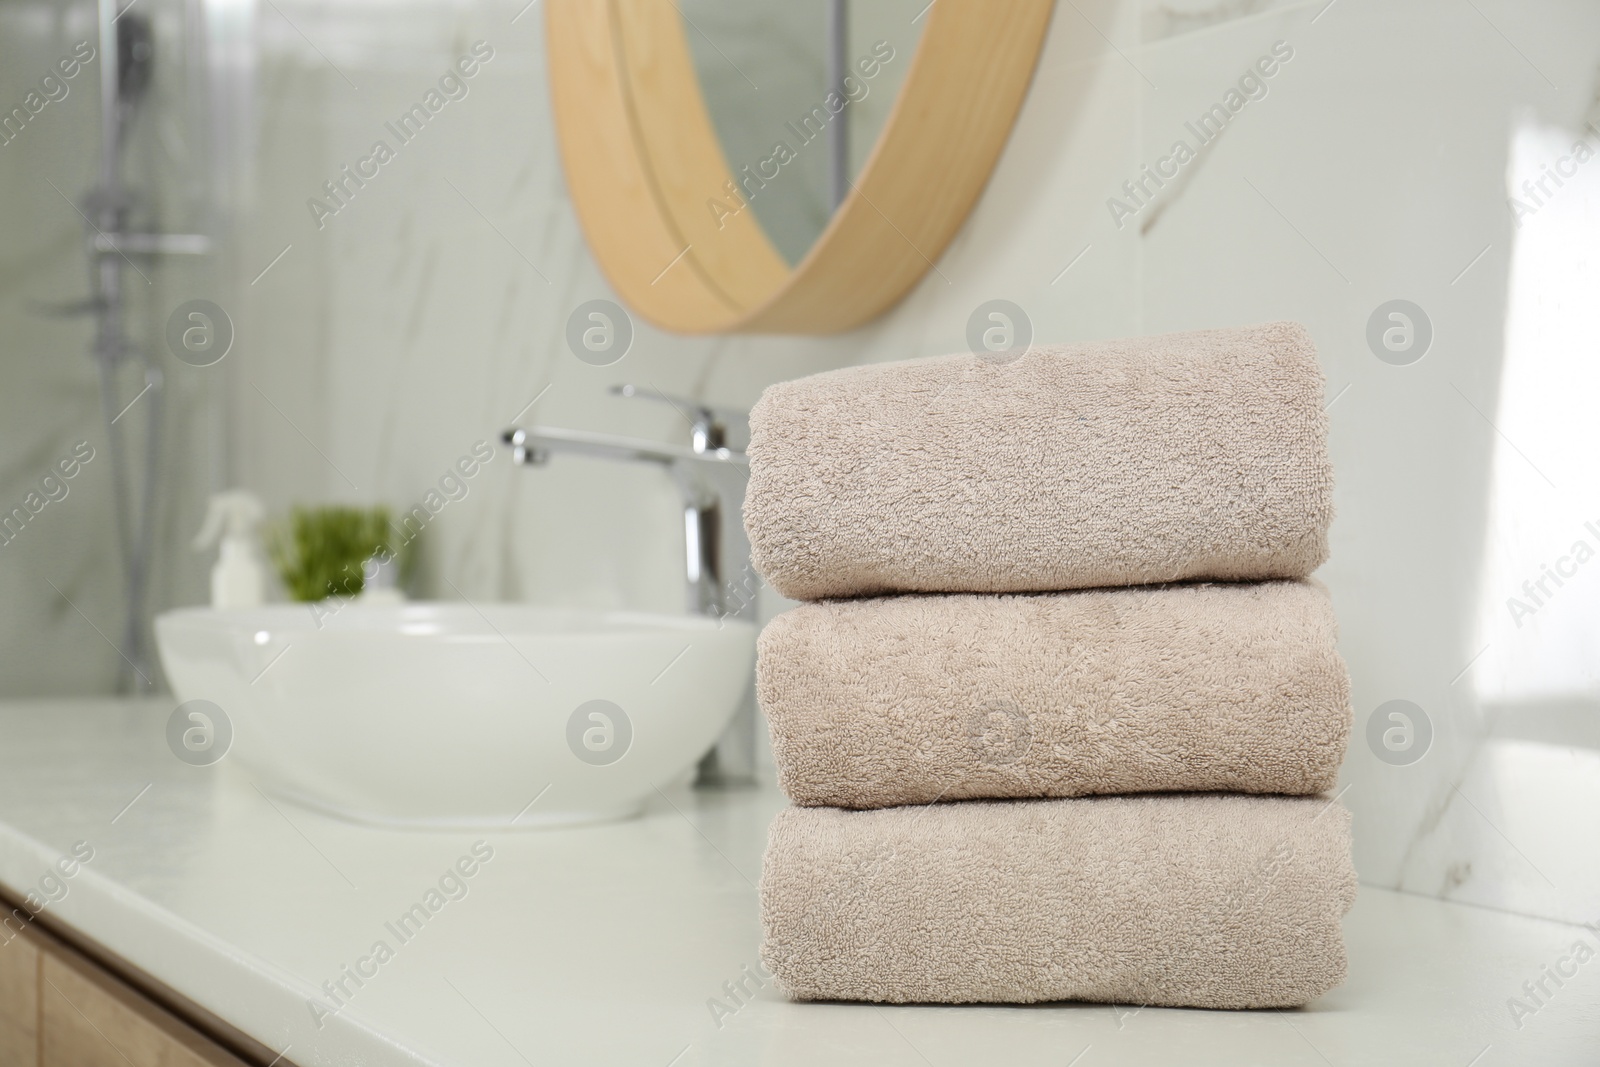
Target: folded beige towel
x,y
1157,459
1210,901
911,699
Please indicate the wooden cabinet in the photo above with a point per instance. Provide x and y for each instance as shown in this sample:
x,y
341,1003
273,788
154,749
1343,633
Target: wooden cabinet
x,y
58,1008
19,1001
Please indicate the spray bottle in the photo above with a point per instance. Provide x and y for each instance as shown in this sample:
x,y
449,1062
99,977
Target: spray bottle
x,y
238,580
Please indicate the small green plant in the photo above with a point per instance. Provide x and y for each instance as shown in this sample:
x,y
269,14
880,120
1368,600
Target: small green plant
x,y
319,552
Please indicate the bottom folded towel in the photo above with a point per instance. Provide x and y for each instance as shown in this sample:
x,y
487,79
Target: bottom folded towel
x,y
1198,900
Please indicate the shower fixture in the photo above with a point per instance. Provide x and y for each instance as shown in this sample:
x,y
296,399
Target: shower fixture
x,y
127,67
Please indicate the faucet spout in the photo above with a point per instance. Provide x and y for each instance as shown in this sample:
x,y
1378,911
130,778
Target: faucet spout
x,y
535,446
710,477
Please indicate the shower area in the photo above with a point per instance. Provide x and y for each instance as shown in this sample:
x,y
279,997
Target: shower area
x,y
124,152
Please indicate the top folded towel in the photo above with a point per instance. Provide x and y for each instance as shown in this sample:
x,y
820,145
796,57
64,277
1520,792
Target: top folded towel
x,y
1197,455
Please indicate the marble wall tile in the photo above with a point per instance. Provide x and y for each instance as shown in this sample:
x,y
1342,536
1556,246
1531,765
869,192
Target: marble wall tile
x,y
1320,201
1513,833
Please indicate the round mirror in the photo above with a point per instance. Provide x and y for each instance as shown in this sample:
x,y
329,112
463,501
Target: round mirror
x,y
796,140
781,166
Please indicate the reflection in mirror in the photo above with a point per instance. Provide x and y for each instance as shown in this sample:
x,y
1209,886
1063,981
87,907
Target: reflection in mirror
x,y
798,92
652,167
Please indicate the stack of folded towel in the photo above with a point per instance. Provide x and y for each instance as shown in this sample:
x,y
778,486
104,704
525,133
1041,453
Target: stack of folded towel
x,y
1058,713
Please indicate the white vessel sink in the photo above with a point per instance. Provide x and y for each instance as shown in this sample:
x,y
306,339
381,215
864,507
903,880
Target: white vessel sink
x,y
449,715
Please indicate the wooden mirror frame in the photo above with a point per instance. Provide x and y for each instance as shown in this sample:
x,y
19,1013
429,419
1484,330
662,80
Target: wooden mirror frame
x,y
643,164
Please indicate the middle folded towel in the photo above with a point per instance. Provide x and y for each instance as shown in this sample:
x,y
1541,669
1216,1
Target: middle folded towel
x,y
912,699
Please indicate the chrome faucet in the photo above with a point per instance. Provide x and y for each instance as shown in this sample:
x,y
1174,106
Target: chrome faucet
x,y
718,579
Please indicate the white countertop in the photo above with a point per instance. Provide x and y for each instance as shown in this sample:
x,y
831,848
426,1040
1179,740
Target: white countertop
x,y
604,945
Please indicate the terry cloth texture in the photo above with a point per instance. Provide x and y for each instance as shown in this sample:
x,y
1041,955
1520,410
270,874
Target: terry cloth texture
x,y
1197,455
1210,901
912,699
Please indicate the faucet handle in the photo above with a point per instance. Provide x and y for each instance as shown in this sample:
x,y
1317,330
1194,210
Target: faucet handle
x,y
709,424
683,404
